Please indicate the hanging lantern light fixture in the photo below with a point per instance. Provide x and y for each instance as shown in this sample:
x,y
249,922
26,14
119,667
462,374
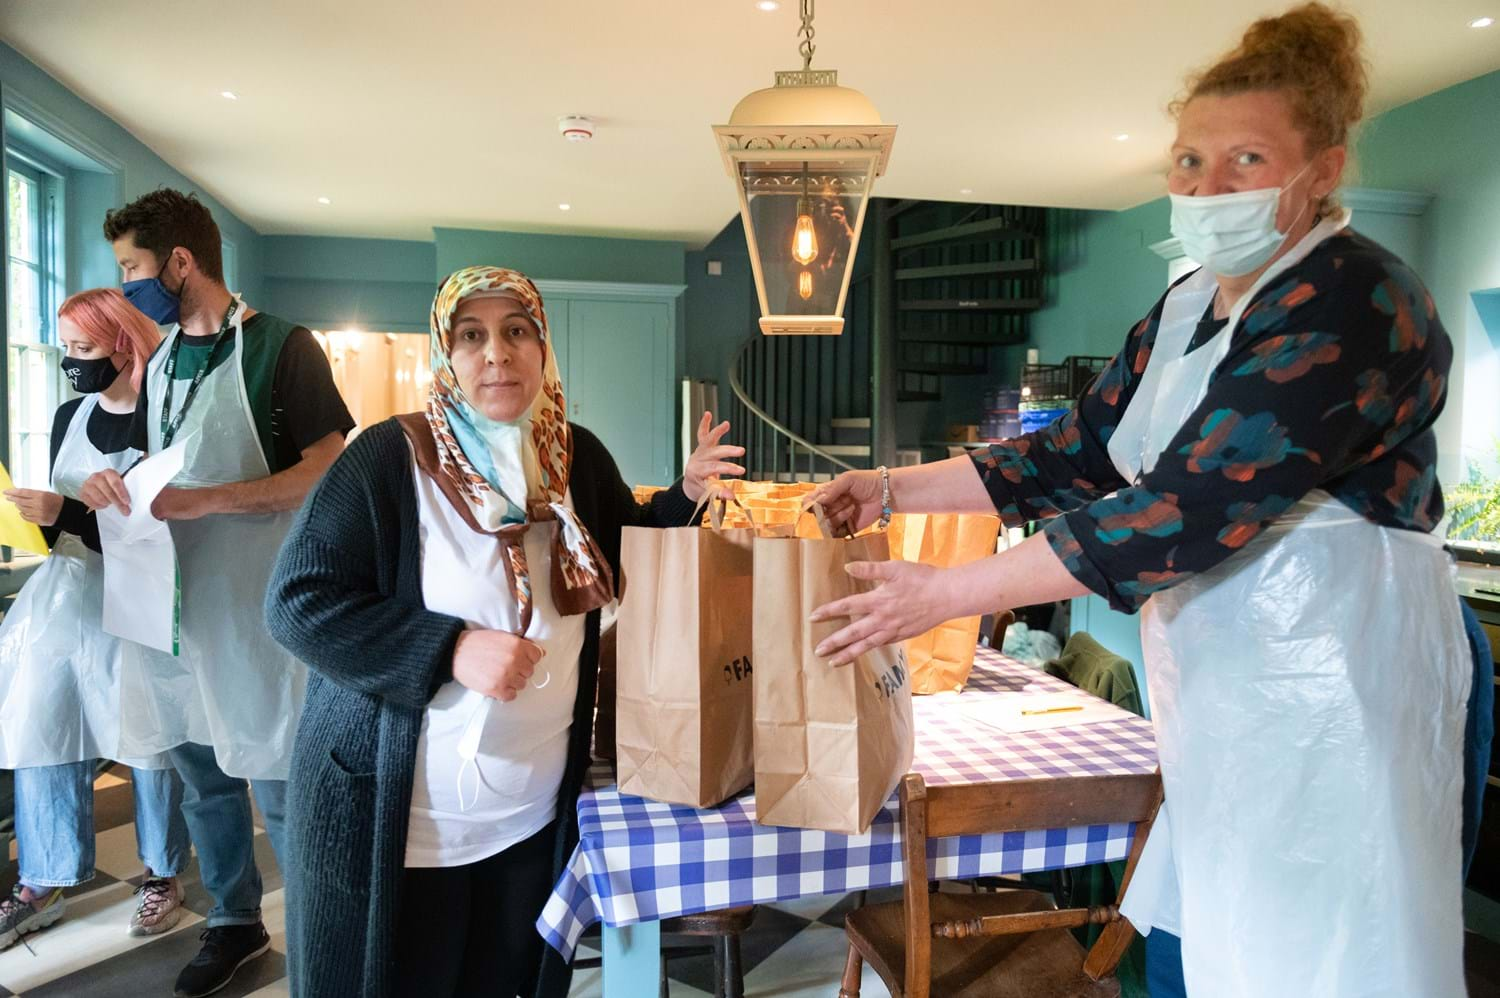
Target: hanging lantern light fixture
x,y
804,155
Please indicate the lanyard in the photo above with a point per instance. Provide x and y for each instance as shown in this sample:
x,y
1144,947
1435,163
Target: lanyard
x,y
170,424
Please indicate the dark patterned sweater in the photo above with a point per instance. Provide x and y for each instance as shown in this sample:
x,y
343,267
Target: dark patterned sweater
x,y
1333,381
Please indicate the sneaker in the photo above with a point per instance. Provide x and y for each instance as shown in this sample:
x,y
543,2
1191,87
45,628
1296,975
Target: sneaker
x,y
160,907
25,912
226,949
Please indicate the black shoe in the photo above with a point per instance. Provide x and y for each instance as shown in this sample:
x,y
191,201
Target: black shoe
x,y
225,950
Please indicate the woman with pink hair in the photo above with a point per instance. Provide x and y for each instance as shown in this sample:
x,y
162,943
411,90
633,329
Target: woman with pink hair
x,y
59,686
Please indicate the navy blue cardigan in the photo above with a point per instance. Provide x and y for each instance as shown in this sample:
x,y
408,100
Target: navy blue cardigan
x,y
346,598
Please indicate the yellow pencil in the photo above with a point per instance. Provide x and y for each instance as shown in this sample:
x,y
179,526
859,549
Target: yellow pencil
x,y
1050,710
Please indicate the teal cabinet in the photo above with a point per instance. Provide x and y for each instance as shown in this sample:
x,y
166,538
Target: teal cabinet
x,y
616,347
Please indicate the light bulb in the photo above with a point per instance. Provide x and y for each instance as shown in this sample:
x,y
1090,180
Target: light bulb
x,y
804,241
804,285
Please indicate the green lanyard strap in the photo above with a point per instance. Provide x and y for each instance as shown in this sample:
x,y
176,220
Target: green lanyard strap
x,y
171,424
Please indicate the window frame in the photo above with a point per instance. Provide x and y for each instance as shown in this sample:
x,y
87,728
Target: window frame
x,y
22,431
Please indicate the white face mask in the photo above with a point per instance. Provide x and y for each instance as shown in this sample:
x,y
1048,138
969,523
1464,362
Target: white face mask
x,y
1231,234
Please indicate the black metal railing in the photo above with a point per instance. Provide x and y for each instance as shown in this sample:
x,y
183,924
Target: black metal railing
x,y
790,394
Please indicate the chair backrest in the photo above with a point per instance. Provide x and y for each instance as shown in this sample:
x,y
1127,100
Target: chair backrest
x,y
604,702
1003,620
1013,806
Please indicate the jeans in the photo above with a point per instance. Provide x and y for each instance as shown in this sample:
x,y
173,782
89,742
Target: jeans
x,y
217,809
55,823
1479,733
1164,965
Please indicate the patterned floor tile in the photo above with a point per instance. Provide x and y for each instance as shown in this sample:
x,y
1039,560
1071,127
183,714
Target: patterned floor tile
x,y
152,969
91,935
808,966
771,930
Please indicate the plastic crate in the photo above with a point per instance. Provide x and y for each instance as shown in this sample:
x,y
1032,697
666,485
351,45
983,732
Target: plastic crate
x,y
1082,370
1044,381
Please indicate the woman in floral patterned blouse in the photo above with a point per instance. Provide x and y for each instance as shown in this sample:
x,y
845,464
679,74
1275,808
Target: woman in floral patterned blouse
x,y
1256,468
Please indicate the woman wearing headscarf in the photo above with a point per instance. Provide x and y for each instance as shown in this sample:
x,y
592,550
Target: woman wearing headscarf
x,y
444,584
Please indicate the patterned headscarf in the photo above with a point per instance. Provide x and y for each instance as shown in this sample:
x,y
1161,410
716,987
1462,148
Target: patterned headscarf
x,y
511,474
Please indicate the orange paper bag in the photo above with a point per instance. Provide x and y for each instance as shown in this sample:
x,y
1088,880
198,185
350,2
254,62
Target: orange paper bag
x,y
941,659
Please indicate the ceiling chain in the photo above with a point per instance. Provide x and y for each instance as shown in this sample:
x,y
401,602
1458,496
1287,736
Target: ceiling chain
x,y
807,48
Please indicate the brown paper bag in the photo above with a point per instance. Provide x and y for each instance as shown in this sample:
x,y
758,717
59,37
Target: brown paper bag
x,y
683,684
830,743
941,659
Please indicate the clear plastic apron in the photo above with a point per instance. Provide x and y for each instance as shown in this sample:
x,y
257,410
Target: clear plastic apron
x,y
231,686
1308,696
59,670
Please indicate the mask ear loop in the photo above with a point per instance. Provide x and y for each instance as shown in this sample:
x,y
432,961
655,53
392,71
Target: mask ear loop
x,y
468,751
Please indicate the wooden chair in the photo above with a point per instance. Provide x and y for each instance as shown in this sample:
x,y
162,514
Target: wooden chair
x,y
1002,624
722,929
1011,944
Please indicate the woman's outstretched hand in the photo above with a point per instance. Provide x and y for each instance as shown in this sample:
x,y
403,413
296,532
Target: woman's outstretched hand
x,y
710,462
910,599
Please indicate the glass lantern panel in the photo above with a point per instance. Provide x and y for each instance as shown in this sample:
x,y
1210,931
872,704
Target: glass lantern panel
x,y
803,266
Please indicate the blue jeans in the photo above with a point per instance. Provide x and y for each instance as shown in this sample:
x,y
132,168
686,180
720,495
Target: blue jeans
x,y
217,809
1479,733
55,823
1164,965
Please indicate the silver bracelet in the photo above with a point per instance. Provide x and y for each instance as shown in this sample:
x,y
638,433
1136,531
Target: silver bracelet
x,y
887,508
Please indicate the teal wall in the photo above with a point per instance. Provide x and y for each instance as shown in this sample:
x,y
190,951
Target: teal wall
x,y
377,285
720,311
1447,144
562,258
1100,277
134,170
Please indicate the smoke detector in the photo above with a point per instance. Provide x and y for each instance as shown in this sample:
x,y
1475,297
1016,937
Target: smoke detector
x,y
576,127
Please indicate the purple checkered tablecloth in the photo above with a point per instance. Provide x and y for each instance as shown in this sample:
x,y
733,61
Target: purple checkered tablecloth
x,y
639,860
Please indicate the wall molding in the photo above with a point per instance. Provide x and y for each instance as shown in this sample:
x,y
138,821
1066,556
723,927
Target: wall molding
x,y
1384,201
610,290
46,120
1167,249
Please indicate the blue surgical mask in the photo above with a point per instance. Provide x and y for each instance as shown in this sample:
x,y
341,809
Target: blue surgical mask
x,y
1231,234
155,300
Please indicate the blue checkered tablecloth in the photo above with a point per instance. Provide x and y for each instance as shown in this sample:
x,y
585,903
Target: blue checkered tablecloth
x,y
639,859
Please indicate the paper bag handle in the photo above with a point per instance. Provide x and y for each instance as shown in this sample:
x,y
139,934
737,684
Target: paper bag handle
x,y
717,507
824,527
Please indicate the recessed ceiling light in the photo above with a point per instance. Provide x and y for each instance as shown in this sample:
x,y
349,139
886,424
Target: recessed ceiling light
x,y
1122,137
229,95
768,5
966,190
565,207
324,201
1481,22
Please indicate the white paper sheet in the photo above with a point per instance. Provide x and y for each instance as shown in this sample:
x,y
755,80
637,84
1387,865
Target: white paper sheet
x,y
140,562
1037,711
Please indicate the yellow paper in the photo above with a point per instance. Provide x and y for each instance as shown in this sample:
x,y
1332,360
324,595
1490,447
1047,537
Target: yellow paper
x,y
14,531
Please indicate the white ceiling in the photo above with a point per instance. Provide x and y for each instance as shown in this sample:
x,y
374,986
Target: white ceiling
x,y
443,113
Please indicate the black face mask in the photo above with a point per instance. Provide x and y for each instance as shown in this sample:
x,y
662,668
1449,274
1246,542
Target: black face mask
x,y
90,376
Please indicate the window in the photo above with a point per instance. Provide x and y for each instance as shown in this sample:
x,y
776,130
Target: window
x,y
34,283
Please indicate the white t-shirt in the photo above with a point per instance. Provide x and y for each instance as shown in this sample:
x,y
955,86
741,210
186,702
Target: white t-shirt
x,y
511,789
